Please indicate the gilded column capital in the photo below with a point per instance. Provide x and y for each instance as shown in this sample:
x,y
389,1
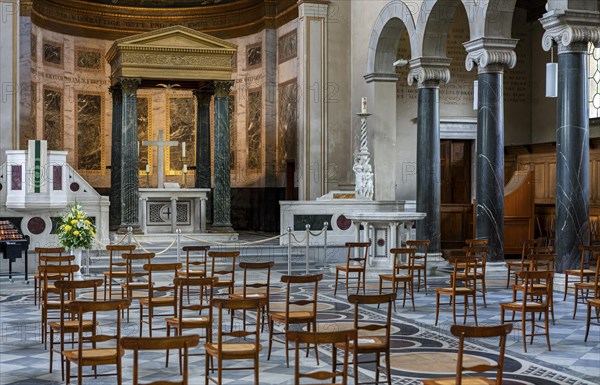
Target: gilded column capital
x,y
571,30
129,85
491,54
116,89
223,88
428,72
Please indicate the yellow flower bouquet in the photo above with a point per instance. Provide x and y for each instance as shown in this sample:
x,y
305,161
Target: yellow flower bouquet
x,y
76,231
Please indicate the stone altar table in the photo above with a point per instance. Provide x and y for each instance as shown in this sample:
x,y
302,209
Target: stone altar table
x,y
393,222
159,209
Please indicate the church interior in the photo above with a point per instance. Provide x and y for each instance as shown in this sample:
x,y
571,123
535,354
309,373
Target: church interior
x,y
374,191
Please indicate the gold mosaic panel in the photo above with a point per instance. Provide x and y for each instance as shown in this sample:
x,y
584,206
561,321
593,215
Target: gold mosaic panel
x,y
53,53
254,130
287,123
144,118
87,59
287,46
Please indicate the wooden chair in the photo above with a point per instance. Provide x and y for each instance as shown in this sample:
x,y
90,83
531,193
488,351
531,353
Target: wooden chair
x,y
138,344
356,262
420,261
480,253
589,258
225,275
190,316
297,311
471,332
524,263
158,296
373,338
49,275
68,325
543,262
535,299
195,256
95,355
47,252
396,277
260,290
223,350
340,338
463,271
135,280
593,303
516,265
117,268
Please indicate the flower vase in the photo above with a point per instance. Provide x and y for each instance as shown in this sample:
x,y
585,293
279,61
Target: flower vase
x,y
78,253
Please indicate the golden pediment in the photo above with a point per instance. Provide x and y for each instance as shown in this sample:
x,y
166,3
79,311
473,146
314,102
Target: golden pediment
x,y
177,52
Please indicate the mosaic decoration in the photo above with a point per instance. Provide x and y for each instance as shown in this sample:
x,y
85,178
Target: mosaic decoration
x,y
52,129
53,54
89,122
594,79
28,130
254,55
181,122
287,46
144,106
33,48
287,124
87,59
234,62
254,130
159,213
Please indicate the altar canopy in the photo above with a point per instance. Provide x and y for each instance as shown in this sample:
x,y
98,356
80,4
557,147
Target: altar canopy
x,y
194,61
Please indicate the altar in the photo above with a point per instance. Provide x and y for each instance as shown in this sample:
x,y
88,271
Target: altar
x,y
163,210
377,226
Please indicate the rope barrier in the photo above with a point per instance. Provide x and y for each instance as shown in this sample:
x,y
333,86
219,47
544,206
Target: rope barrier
x,y
147,251
317,234
299,241
216,243
104,245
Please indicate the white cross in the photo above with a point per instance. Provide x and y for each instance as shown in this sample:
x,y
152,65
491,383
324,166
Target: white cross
x,y
161,144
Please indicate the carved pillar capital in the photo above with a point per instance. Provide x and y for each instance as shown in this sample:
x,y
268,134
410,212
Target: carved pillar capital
x,y
491,54
571,30
223,88
129,85
115,90
203,96
428,72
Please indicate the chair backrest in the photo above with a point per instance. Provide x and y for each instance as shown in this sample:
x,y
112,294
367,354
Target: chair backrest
x,y
59,259
48,251
195,307
589,256
262,288
193,252
329,337
113,250
223,273
54,273
467,332
369,327
597,277
410,253
291,280
355,255
164,268
422,246
131,260
160,343
532,290
465,267
476,242
542,262
81,308
230,305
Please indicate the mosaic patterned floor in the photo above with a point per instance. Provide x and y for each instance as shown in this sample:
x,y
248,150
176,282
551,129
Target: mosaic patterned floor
x,y
420,350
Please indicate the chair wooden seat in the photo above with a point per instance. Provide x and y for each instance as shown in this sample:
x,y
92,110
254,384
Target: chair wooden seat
x,y
69,326
397,277
292,315
518,305
116,274
234,350
367,344
349,268
99,356
458,290
188,322
465,381
158,301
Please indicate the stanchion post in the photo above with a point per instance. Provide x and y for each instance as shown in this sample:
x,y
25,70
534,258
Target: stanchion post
x,y
178,237
129,235
307,246
289,233
325,227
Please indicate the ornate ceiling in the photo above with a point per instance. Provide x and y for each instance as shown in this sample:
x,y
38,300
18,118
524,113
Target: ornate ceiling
x,y
115,19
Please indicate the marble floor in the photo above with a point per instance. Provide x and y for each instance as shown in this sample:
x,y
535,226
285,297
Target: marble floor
x,y
420,349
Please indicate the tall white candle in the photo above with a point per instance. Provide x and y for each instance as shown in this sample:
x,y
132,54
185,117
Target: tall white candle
x,y
184,168
363,104
148,168
183,149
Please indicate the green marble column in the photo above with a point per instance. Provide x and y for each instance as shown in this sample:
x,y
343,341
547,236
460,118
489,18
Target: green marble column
x,y
129,155
115,167
222,191
203,144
